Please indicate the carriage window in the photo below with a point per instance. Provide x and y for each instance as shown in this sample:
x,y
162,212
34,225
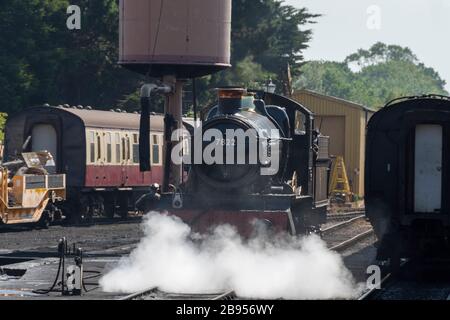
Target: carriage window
x,y
300,123
117,147
135,148
99,147
128,148
124,148
92,146
155,149
108,148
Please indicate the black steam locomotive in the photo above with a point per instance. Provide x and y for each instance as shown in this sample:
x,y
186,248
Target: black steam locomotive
x,y
267,164
407,177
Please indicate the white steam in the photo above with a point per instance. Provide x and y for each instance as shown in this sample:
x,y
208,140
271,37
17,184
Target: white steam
x,y
171,258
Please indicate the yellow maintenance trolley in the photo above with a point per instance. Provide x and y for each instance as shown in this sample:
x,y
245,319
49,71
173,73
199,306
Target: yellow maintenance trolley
x,y
29,193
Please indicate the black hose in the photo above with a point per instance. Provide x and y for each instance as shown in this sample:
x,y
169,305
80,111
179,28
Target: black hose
x,y
46,291
96,275
62,249
144,136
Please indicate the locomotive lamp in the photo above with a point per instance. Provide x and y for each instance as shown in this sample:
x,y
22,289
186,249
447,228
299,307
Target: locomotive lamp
x,y
271,87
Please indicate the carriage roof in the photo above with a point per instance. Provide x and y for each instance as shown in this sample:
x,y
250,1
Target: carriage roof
x,y
113,120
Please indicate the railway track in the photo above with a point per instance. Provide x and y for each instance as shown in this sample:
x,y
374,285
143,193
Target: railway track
x,y
374,292
413,281
345,216
97,221
156,294
343,235
335,233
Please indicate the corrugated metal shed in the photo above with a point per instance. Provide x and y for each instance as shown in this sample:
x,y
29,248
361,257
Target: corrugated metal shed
x,y
345,122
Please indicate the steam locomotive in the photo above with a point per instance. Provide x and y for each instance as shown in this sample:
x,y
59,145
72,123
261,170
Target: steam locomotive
x,y
285,191
407,177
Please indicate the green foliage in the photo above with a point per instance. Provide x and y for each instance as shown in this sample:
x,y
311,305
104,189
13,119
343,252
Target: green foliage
x,y
270,32
266,37
41,61
372,77
3,117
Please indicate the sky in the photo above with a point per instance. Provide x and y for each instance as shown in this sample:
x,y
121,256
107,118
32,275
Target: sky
x,y
348,25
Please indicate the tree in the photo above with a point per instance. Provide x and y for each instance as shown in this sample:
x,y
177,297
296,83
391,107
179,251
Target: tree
x,y
41,61
267,35
2,126
372,77
270,31
381,53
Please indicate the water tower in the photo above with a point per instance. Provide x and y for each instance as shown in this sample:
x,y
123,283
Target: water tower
x,y
173,40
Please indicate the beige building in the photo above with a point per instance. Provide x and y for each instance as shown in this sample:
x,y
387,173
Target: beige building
x,y
345,122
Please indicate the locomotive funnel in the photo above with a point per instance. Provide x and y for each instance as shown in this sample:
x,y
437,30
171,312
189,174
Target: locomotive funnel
x,y
232,100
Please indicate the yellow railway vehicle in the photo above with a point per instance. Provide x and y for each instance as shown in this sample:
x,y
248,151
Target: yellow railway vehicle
x,y
30,193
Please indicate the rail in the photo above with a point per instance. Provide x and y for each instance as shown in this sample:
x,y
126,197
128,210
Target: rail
x,y
343,224
229,295
372,293
350,242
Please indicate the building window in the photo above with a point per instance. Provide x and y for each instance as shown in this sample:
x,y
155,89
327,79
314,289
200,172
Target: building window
x,y
91,135
108,148
155,149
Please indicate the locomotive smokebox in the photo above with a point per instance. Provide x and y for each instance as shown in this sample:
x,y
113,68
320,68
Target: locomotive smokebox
x,y
183,38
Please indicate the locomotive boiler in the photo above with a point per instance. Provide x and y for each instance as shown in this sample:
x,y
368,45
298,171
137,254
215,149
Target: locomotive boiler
x,y
407,177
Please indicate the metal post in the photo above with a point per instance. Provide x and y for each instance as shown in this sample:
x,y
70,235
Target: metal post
x,y
173,112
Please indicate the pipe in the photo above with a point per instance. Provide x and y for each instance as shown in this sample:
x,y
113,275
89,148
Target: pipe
x,y
145,126
194,99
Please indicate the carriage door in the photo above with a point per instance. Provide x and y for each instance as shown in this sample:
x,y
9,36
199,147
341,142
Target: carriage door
x,y
428,169
44,138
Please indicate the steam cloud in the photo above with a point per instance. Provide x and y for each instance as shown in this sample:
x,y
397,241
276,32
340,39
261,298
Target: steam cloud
x,y
173,259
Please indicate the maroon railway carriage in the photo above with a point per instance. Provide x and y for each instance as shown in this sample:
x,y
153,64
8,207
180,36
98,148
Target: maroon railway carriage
x,y
97,150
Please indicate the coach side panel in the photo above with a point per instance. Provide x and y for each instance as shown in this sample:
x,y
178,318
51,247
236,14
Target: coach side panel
x,y
112,159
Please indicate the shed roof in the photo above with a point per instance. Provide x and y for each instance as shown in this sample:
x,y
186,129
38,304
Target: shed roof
x,y
335,99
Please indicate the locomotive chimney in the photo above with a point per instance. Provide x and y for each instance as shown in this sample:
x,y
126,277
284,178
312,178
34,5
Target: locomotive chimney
x,y
173,40
231,100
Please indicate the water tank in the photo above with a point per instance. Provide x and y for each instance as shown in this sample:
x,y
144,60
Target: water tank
x,y
185,38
